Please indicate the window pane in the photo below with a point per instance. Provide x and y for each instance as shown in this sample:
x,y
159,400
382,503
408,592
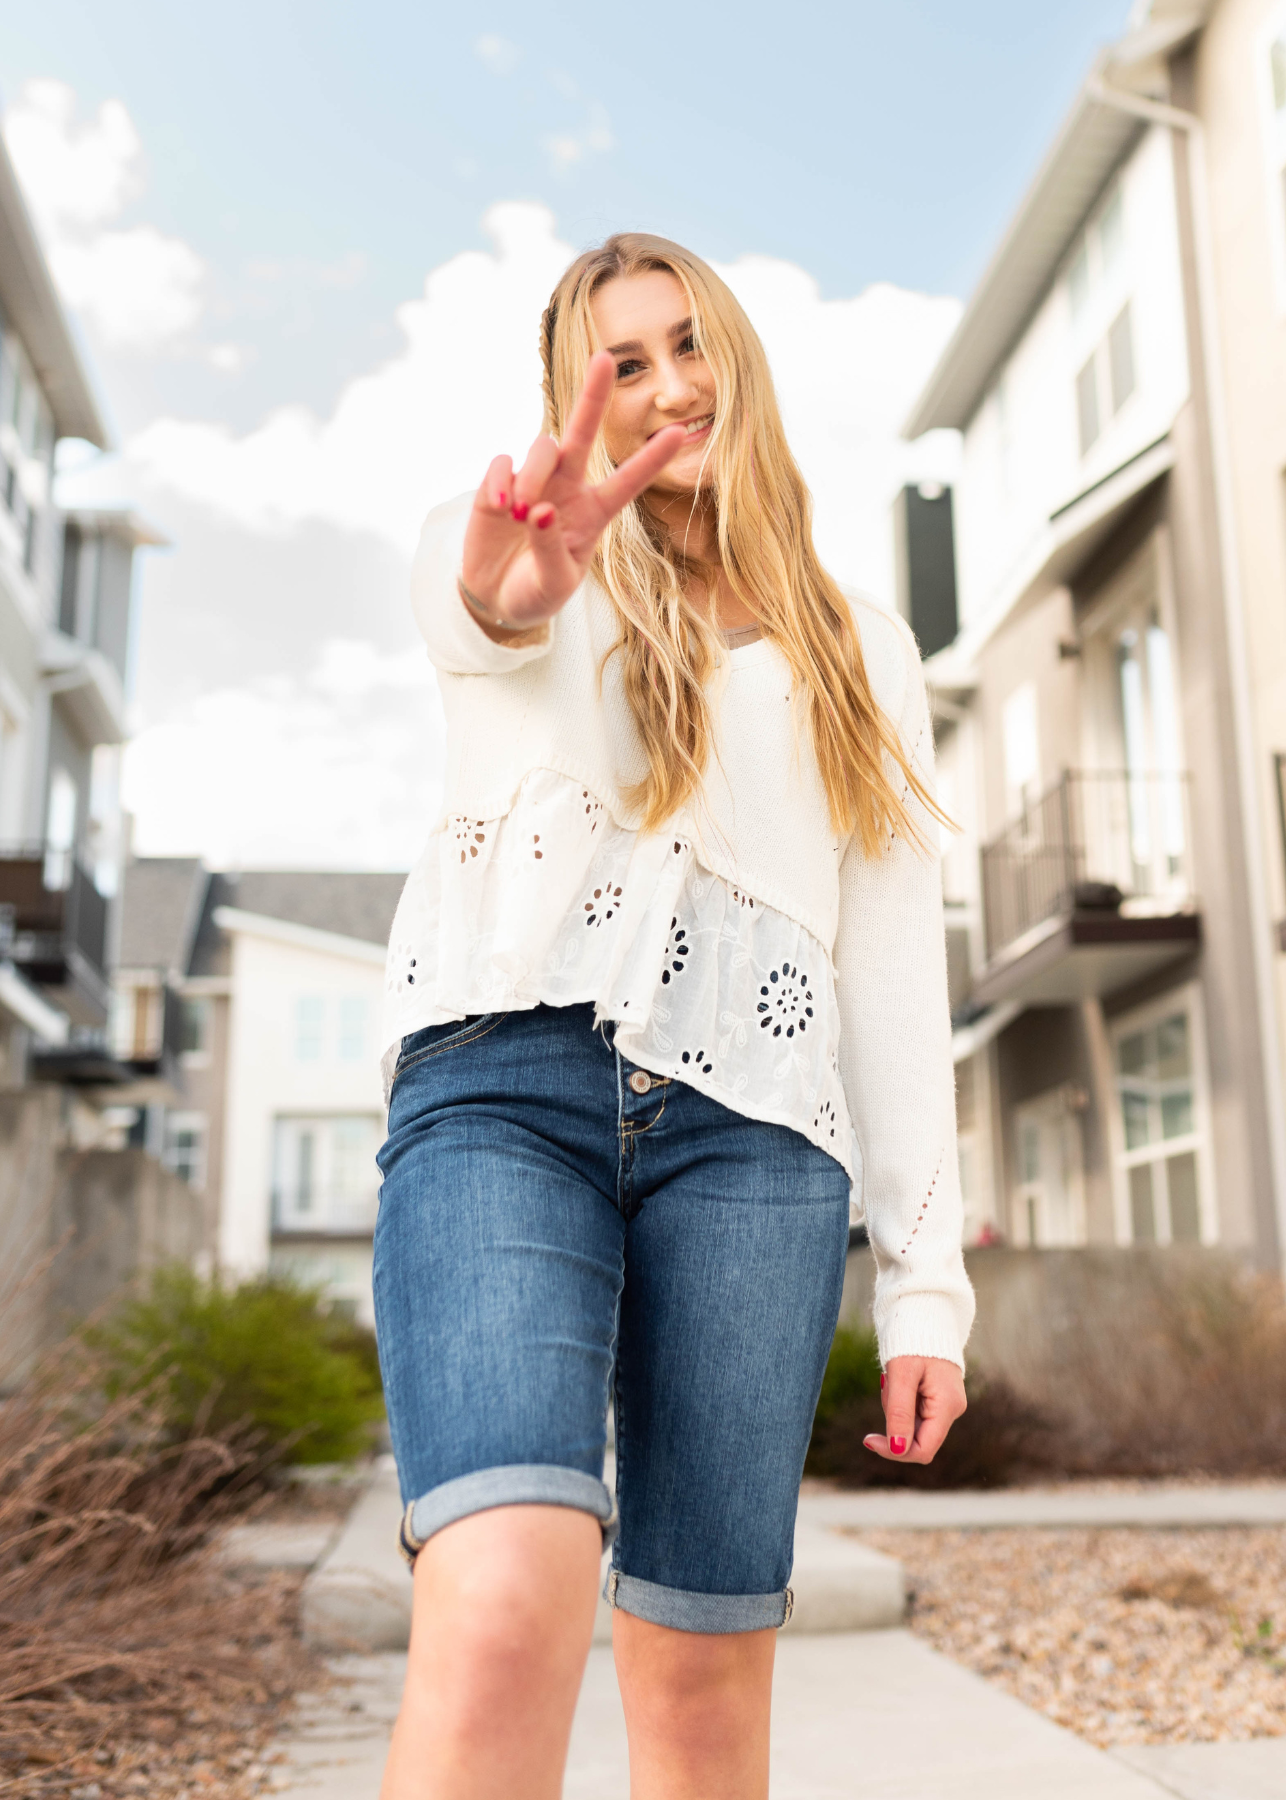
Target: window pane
x,y
310,1016
194,1027
1176,1114
1111,231
1030,1151
1185,1214
1173,1058
305,1166
1134,1107
1120,355
352,1028
1142,1217
1087,405
1132,1053
1279,74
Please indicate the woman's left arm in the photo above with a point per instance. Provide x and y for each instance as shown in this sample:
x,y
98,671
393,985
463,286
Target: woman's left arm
x,y
895,1059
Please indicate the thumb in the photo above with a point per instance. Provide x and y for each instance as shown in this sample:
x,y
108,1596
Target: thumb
x,y
901,1393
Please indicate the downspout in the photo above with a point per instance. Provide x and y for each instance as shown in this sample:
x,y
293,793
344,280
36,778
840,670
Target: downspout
x,y
1156,112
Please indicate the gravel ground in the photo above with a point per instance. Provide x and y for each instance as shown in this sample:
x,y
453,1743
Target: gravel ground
x,y
1125,1637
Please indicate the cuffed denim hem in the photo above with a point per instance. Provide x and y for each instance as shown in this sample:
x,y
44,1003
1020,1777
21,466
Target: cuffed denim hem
x,y
684,1610
515,1484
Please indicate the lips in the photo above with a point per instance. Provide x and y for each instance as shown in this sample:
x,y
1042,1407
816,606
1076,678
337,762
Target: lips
x,y
693,427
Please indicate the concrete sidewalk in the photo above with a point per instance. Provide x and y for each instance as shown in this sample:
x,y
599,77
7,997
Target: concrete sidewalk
x,y
861,1716
1175,1504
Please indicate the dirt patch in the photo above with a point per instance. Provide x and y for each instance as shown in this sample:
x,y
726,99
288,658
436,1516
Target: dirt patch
x,y
1124,1636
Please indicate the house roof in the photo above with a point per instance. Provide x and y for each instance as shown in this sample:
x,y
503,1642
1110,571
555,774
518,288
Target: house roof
x,y
348,903
161,900
1092,141
32,307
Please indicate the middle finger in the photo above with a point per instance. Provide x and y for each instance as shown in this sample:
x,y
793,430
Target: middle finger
x,y
529,482
587,414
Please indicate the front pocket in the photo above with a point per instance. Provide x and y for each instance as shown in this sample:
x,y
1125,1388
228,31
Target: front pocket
x,y
436,1040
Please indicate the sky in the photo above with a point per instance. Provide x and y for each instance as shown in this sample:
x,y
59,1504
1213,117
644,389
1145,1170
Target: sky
x,y
306,248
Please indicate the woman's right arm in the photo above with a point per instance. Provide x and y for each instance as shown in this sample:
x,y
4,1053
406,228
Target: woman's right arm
x,y
458,643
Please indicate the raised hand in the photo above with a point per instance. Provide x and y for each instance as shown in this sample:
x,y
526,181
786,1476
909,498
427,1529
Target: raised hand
x,y
531,535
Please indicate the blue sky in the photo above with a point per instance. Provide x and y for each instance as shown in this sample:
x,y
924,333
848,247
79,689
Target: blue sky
x,y
322,156
307,245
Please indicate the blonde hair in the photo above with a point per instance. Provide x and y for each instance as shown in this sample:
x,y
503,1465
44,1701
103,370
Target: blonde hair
x,y
671,646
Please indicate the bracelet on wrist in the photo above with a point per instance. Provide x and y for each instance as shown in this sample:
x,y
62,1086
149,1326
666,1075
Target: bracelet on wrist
x,y
481,610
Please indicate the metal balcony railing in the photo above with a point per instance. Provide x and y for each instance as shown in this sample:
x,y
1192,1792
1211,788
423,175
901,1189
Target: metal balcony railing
x,y
1095,839
50,913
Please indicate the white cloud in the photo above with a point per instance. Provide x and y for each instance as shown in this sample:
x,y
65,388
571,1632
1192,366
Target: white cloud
x,y
500,56
466,385
140,290
337,766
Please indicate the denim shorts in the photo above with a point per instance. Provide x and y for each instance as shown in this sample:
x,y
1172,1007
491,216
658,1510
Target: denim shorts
x,y
557,1228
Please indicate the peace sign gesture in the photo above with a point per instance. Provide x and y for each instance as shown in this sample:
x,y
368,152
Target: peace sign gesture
x,y
531,536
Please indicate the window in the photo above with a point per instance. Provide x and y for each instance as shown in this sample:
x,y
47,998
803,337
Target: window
x,y
184,1151
60,829
1087,405
310,1023
1160,1133
196,1020
1111,233
1120,358
1021,737
353,1012
325,1178
1049,1207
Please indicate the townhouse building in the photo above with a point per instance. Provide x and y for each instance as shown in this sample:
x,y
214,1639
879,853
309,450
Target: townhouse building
x,y
1108,663
248,1007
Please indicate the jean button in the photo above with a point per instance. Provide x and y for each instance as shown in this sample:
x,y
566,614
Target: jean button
x,y
640,1081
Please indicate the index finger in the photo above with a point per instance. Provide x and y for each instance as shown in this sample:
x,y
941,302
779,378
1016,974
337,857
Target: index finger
x,y
641,469
587,414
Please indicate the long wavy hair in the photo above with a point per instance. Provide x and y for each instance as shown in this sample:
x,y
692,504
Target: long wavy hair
x,y
670,641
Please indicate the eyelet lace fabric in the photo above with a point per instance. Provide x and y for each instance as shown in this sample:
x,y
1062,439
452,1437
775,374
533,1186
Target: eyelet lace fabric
x,y
555,903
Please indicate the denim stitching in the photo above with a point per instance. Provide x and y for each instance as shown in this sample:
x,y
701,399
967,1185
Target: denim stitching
x,y
466,1035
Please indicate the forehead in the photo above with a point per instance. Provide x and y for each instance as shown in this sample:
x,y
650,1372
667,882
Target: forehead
x,y
638,306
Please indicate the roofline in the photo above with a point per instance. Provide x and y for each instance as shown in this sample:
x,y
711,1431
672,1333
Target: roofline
x,y
300,937
1093,140
35,312
120,522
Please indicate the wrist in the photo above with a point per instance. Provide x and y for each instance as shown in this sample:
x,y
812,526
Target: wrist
x,y
485,614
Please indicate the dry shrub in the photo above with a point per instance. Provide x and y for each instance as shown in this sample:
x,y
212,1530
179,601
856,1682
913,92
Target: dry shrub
x,y
128,1659
1170,1364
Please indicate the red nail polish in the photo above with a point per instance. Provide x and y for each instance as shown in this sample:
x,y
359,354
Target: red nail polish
x,y
881,1384
520,509
543,524
502,500
898,1446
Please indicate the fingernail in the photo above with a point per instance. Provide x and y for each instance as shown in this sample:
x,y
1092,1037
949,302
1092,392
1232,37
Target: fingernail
x,y
543,524
504,499
881,1384
520,509
897,1446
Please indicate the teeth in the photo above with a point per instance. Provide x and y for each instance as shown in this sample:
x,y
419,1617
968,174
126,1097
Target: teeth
x,y
698,424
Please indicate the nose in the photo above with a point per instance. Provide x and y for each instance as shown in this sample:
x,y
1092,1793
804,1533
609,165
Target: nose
x,y
676,390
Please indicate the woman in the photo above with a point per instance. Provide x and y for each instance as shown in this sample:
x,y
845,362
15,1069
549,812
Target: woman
x,y
668,982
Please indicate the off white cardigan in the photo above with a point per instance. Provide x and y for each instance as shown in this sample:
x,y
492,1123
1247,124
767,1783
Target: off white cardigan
x,y
763,826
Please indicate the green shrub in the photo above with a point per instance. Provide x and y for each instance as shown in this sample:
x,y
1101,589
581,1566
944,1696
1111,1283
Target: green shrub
x,y
852,1371
263,1354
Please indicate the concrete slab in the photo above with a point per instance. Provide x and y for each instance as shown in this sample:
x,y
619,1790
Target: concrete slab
x,y
1250,1771
1160,1504
276,1546
860,1716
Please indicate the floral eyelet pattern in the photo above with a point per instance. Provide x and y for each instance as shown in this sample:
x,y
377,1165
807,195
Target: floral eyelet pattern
x,y
696,1061
470,834
785,1004
602,905
677,950
824,1122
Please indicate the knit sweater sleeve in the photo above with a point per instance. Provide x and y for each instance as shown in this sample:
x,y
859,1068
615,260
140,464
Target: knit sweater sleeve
x,y
895,1060
457,643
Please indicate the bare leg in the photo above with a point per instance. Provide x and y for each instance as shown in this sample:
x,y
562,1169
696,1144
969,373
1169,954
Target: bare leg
x,y
501,1624
696,1709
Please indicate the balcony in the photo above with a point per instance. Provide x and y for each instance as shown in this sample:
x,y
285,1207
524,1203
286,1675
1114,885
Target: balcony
x,y
53,928
1088,890
325,1212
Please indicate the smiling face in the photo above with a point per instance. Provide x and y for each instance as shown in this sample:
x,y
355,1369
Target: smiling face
x,y
661,378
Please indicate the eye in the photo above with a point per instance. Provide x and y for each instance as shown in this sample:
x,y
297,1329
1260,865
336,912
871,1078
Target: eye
x,y
688,346
630,366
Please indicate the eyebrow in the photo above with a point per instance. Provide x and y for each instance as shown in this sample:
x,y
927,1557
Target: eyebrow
x,y
682,329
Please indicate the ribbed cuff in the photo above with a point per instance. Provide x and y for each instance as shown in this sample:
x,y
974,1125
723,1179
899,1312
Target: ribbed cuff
x,y
924,1325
